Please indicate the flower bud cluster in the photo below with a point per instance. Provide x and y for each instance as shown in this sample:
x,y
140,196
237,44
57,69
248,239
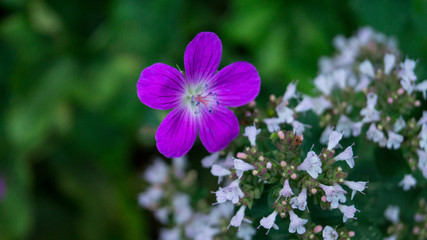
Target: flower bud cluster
x,y
290,177
170,197
416,229
368,89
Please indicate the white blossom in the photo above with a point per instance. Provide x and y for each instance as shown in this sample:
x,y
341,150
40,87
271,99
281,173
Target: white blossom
x,y
311,164
334,194
392,237
369,113
356,186
150,197
241,167
290,91
182,208
170,234
367,69
394,140
231,193
376,135
179,165
298,127
297,223
324,84
389,60
392,214
251,132
272,124
246,232
356,128
334,139
348,211
399,124
209,160
422,162
423,119
422,87
157,172
423,137
329,233
344,125
286,191
325,134
408,182
300,201
407,75
237,219
220,172
162,215
285,114
268,222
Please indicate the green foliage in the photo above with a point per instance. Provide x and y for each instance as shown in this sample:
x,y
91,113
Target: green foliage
x,y
74,135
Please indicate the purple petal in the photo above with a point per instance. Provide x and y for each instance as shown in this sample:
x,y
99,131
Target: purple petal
x,y
218,128
202,57
177,133
237,84
160,86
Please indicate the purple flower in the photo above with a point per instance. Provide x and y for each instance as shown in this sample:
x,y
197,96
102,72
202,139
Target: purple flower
x,y
198,97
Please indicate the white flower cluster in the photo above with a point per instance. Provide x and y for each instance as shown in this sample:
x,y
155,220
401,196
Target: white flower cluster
x,y
366,65
172,207
291,198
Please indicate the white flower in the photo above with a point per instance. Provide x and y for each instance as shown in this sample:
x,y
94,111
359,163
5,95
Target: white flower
x,y
170,234
329,233
356,128
311,164
408,182
399,124
297,224
285,114
356,186
363,83
376,135
286,190
324,84
220,212
348,211
369,113
162,215
344,125
318,105
394,140
346,155
268,222
422,87
242,167
246,232
290,91
305,105
150,197
334,138
334,194
423,137
237,219
157,172
340,77
367,69
183,211
219,172
231,193
407,75
251,132
389,60
272,124
300,201
325,135
392,214
422,162
298,127
209,160
392,237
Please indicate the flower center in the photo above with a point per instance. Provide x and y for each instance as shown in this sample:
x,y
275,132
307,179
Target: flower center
x,y
199,96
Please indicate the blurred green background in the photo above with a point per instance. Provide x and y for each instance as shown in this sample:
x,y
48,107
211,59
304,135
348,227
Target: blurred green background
x,y
73,135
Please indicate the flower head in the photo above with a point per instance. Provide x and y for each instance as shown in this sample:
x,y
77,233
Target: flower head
x,y
199,98
242,167
300,201
392,214
231,193
346,155
389,60
237,219
394,140
334,194
286,190
334,139
348,211
356,186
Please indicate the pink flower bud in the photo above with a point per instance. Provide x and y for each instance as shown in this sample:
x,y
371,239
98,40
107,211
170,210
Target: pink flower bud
x,y
241,155
283,163
400,91
351,234
281,135
323,198
417,103
252,104
313,191
269,165
272,98
317,229
390,100
294,176
416,230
